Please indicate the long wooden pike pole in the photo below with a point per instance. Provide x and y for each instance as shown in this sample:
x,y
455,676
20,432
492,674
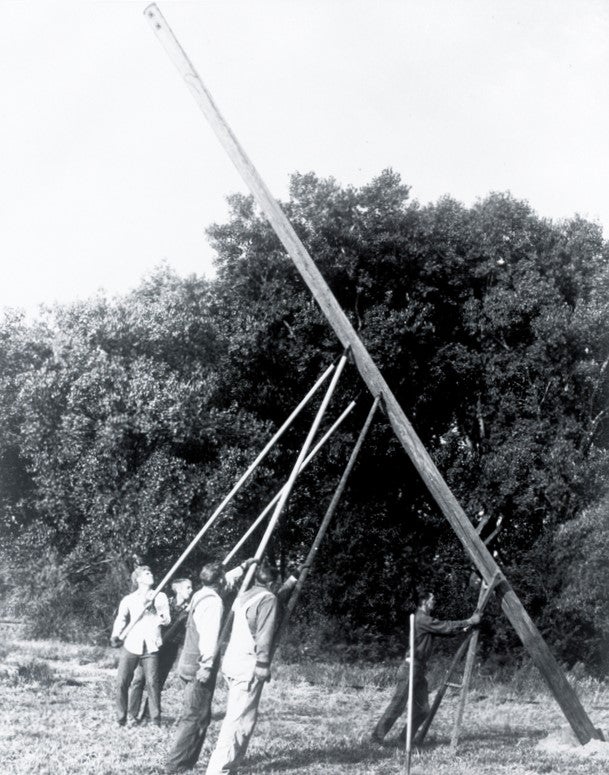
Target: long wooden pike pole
x,y
287,489
237,486
323,528
285,494
411,668
271,503
480,556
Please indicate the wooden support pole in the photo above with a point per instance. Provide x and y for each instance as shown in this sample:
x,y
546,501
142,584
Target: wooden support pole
x,y
470,658
483,598
439,695
284,495
323,528
269,506
411,669
287,489
450,507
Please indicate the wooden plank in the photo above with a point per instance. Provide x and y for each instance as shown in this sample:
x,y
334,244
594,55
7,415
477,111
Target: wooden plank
x,y
465,531
439,695
467,677
483,598
411,667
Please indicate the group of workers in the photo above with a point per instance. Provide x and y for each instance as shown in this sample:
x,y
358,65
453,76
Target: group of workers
x,y
150,635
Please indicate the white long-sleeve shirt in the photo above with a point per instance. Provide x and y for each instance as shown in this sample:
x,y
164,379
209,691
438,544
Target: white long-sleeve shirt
x,y
145,635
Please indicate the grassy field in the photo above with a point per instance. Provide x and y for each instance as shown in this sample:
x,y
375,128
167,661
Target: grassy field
x,y
57,718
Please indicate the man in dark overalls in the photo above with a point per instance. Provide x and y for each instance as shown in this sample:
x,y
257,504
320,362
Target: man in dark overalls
x,y
425,629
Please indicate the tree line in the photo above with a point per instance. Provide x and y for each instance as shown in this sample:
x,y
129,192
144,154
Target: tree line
x,y
126,420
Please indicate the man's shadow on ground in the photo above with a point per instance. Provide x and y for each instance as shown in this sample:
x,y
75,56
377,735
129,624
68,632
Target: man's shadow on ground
x,y
337,754
366,751
334,754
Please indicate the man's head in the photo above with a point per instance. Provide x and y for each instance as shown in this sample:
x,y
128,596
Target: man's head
x,y
182,589
266,574
142,577
426,600
212,575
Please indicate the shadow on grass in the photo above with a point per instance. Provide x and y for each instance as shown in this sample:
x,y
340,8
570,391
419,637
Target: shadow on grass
x,y
356,753
506,736
467,740
339,754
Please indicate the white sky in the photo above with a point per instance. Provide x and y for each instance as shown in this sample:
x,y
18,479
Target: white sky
x,y
107,167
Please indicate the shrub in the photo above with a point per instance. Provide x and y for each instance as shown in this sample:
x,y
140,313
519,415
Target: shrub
x,y
36,672
60,599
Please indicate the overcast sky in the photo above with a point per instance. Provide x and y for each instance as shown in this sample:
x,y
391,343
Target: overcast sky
x,y
107,167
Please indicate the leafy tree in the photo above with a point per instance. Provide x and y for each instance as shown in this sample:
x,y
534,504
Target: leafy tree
x,y
485,322
128,420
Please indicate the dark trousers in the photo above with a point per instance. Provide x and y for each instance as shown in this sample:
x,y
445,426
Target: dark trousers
x,y
127,664
193,723
166,658
399,701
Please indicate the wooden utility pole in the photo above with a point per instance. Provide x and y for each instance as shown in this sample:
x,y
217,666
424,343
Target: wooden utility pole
x,y
480,556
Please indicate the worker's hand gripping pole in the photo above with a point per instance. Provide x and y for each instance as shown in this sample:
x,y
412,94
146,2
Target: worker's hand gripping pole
x,y
232,493
277,495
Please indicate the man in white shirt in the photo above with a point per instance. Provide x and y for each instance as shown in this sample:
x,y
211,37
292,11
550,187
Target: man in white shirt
x,y
198,664
140,643
173,638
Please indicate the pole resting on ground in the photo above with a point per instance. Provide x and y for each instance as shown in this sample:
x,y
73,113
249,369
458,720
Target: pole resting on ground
x,y
336,317
411,669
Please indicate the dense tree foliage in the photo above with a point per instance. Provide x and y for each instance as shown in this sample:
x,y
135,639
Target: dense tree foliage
x,y
126,421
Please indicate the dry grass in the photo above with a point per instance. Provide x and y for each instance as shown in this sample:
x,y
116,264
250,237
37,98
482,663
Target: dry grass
x,y
57,717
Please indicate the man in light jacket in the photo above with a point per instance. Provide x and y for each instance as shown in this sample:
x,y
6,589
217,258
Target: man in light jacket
x,y
197,666
141,643
246,666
